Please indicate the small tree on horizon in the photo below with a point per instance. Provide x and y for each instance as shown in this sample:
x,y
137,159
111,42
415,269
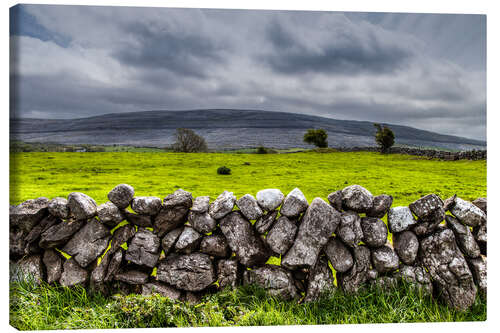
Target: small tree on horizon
x,y
317,137
188,141
384,137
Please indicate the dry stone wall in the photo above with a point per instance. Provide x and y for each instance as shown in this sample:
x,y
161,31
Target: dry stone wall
x,y
430,153
183,247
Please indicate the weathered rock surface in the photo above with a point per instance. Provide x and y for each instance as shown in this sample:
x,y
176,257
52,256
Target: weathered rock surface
x,y
385,282
381,205
88,243
121,235
169,219
99,272
406,246
58,207
335,199
416,276
482,204
228,273
215,245
449,202
270,199
349,229
201,204
374,231
400,219
357,198
318,223
468,213
249,207
192,272
480,235
464,238
320,280
144,249
354,279
276,280
243,240
448,269
137,219
339,255
384,259
188,241
281,236
202,222
109,214
17,242
295,204
114,265
131,276
146,205
479,273
428,209
178,198
265,223
168,242
27,214
161,289
60,233
121,195
34,235
222,206
53,264
29,268
73,274
81,206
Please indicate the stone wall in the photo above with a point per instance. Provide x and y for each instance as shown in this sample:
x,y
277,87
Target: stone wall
x,y
184,247
431,153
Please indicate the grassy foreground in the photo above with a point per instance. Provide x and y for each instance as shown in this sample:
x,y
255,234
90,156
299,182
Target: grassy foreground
x,y
37,308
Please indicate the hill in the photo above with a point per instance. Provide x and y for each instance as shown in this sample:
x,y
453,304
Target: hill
x,y
222,129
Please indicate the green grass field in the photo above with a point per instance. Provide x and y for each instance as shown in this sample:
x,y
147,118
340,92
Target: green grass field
x,y
405,177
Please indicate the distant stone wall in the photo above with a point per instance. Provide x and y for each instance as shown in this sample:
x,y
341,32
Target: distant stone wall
x,y
438,154
184,247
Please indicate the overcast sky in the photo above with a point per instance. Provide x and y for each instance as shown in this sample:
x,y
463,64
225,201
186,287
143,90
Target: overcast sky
x,y
422,70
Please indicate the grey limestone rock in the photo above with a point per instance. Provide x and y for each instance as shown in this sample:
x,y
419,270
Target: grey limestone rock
x,y
265,222
138,219
270,199
249,207
468,213
29,213
479,273
121,235
357,198
121,195
481,203
114,265
384,259
29,268
374,231
100,270
228,273
320,280
201,204
34,235
281,236
417,277
60,233
215,245
339,255
169,219
448,269
169,240
131,276
381,205
53,264
202,222
192,272
464,238
110,214
243,240
178,198
349,229
318,223
430,209
449,202
400,219
275,279
222,206
295,204
144,249
335,199
146,205
162,289
88,243
81,206
58,207
73,274
406,246
17,242
385,283
354,279
188,241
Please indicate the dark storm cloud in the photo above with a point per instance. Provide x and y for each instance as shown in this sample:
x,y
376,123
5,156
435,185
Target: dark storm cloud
x,y
341,52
